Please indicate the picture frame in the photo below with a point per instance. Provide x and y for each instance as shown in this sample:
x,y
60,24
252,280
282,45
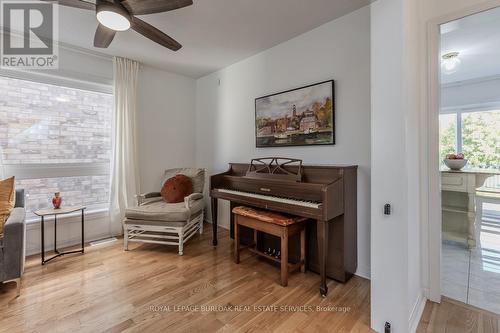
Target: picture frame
x,y
302,116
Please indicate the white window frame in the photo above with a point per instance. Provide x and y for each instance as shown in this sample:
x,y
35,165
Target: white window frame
x,y
97,85
57,170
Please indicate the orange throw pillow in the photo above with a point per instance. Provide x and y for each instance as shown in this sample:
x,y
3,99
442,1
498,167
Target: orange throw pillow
x,y
176,188
7,200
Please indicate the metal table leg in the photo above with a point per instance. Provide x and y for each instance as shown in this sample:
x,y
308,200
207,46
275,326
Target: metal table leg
x,y
58,253
83,231
42,229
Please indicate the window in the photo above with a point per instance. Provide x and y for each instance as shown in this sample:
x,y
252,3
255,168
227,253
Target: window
x,y
448,134
476,133
56,139
481,138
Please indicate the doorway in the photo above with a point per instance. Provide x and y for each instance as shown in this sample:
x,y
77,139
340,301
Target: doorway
x,y
469,153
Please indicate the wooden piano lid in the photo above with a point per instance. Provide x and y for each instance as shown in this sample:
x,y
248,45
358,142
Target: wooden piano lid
x,y
275,168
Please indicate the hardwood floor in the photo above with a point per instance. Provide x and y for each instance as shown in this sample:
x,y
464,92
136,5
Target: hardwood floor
x,y
144,289
456,317
109,290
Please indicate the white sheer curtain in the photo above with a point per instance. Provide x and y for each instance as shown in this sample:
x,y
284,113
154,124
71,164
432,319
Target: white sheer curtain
x,y
2,172
124,166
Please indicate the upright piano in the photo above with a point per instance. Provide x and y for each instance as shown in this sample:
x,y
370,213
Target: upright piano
x,y
327,195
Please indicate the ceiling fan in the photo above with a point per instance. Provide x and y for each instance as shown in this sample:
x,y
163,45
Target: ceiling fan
x,y
118,15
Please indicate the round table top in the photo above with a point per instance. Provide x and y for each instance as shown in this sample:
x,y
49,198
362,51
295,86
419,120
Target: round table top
x,y
58,211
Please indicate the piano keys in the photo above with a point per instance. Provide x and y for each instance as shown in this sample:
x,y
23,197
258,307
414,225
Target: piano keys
x,y
327,195
289,201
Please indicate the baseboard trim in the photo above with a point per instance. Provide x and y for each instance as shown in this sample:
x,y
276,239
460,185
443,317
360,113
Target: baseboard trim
x,y
364,272
66,243
416,313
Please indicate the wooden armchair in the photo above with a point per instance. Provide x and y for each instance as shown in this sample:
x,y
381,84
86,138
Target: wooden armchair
x,y
155,221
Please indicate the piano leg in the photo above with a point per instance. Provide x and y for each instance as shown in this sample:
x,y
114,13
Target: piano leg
x,y
322,235
214,204
231,219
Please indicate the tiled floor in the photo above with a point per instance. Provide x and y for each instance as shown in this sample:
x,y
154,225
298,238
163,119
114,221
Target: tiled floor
x,y
473,277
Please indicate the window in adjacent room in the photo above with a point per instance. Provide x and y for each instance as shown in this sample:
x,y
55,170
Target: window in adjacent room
x,y
481,138
448,134
56,139
474,133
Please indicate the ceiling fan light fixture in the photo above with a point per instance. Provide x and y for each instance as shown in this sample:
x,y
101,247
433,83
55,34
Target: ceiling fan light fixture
x,y
112,16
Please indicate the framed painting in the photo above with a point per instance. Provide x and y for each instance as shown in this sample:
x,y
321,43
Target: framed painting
x,y
299,117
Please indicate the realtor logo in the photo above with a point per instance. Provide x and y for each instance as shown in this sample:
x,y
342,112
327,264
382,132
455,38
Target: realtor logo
x,y
28,30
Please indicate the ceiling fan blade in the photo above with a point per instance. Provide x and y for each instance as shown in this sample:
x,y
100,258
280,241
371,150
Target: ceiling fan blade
x,y
142,7
147,30
74,3
103,36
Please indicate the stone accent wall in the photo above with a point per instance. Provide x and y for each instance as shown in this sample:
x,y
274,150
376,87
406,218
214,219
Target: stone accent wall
x,y
90,191
48,124
42,123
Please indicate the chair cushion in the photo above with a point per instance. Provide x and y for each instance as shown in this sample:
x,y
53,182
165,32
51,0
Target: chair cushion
x,y
163,211
7,200
175,189
197,177
267,216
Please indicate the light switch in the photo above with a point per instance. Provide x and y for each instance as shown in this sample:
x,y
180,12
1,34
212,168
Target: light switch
x,y
387,209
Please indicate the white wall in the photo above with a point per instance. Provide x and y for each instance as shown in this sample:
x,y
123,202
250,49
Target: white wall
x,y
396,289
402,245
83,65
416,298
389,251
166,124
477,91
68,231
338,50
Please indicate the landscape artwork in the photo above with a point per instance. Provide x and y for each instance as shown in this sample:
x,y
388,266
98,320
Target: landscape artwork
x,y
299,117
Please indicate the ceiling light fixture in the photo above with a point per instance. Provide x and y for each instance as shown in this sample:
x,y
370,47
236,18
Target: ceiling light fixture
x,y
112,15
450,62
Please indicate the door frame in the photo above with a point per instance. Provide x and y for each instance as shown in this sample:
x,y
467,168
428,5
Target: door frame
x,y
432,206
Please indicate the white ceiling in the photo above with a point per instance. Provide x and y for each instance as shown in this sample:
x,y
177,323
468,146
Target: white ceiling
x,y
214,33
477,38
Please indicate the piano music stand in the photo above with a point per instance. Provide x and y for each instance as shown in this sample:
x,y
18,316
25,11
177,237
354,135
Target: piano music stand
x,y
275,168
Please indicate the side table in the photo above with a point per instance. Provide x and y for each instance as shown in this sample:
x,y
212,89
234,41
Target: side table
x,y
60,211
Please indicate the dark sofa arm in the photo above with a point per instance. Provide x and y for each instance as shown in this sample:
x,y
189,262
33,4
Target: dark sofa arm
x,y
20,197
13,244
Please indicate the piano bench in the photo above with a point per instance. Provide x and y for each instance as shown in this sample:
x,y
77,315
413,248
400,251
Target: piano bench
x,y
275,224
